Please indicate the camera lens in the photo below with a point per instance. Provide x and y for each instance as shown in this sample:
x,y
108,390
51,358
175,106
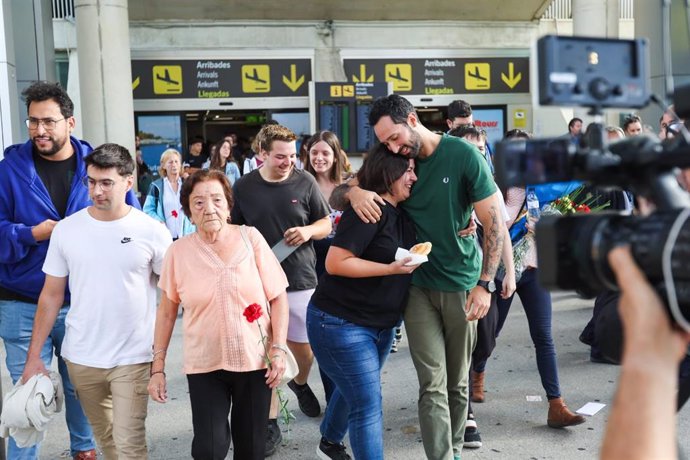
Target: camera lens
x,y
649,239
582,242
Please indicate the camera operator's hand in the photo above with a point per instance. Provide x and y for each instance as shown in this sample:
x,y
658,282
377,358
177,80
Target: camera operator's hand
x,y
642,424
646,325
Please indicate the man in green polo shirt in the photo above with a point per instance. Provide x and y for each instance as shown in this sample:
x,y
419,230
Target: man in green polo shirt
x,y
452,290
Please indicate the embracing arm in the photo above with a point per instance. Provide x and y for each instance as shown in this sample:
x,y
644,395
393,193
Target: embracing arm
x,y
365,203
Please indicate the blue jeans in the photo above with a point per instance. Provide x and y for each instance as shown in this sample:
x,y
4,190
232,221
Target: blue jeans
x,y
352,356
537,304
16,323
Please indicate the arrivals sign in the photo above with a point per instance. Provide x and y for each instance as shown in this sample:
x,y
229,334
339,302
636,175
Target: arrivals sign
x,y
220,78
436,76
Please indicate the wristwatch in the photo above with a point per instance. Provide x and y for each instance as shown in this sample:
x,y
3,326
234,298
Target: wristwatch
x,y
490,286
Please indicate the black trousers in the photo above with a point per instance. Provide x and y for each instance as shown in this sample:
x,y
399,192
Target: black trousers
x,y
212,396
486,336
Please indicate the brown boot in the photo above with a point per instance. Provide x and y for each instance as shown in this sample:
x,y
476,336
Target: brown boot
x,y
560,416
477,382
85,455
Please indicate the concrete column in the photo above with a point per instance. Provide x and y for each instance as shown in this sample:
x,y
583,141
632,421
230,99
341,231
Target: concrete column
x,y
648,24
328,65
105,73
9,112
26,54
74,91
596,18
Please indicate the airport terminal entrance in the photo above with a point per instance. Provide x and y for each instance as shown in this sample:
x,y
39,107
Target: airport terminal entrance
x,y
158,131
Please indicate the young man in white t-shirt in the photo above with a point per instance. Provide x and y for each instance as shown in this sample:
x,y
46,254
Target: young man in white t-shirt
x,y
110,252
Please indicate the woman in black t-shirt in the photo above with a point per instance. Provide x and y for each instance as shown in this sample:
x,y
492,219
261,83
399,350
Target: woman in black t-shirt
x,y
357,304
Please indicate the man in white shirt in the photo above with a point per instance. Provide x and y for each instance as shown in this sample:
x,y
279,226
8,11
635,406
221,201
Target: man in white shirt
x,y
110,252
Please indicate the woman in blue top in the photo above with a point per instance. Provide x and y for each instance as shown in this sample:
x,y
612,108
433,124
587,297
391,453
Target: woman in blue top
x,y
356,306
163,200
222,160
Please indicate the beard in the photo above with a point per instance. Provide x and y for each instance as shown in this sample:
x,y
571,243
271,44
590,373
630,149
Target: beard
x,y
56,146
415,145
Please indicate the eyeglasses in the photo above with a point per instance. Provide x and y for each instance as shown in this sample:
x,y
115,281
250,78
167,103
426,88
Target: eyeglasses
x,y
106,184
48,123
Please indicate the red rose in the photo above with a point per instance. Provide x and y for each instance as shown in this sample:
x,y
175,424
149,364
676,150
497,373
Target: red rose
x,y
253,312
174,213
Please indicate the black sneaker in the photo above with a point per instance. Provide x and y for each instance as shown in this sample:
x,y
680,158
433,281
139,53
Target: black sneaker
x,y
398,334
331,451
472,438
273,437
306,399
394,346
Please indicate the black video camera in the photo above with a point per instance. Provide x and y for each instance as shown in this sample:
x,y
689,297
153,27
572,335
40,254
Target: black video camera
x,y
572,250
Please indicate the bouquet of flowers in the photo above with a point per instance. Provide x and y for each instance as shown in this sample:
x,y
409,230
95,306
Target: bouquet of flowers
x,y
576,201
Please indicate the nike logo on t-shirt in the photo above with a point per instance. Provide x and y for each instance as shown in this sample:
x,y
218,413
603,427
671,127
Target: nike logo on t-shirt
x,y
126,239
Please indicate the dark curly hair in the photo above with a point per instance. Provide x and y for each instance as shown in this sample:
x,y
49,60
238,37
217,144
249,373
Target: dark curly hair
x,y
381,169
459,108
108,156
45,91
467,130
394,106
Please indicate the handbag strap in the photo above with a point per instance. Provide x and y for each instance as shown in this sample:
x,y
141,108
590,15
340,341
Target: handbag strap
x,y
250,249
519,215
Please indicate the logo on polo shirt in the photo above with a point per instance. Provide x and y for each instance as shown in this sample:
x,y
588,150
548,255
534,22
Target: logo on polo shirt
x,y
446,180
125,240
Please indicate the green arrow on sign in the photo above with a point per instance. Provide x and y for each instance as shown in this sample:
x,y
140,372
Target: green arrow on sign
x,y
511,79
293,82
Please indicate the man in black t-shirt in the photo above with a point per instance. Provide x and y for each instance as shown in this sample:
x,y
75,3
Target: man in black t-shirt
x,y
195,158
287,207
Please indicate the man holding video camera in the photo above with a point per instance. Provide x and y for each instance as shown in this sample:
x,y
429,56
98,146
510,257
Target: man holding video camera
x,y
642,424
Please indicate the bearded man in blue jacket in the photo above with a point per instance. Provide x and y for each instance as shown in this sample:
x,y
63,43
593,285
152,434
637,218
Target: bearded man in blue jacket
x,y
41,182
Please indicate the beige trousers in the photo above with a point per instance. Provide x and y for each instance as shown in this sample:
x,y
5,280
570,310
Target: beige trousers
x,y
115,402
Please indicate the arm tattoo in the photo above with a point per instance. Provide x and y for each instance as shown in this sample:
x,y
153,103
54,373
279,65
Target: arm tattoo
x,y
493,244
339,199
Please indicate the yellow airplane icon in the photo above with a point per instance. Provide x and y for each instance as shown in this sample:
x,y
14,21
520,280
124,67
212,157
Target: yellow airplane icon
x,y
255,76
400,74
397,75
167,79
476,74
